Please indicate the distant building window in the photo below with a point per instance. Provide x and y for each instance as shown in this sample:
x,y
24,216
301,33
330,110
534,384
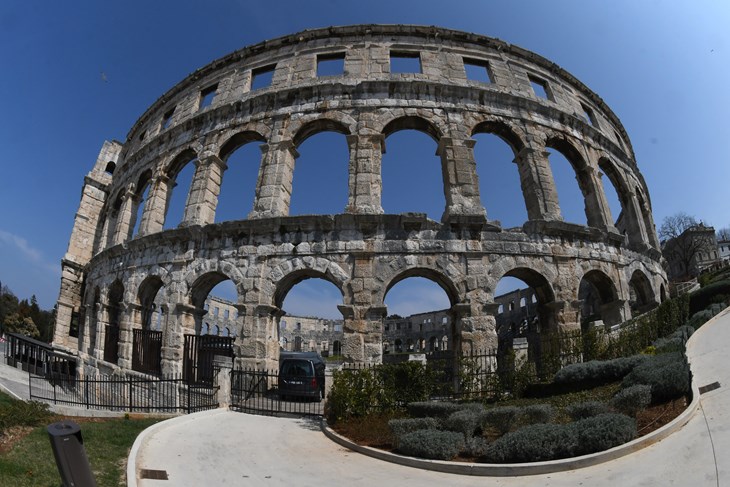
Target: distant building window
x,y
215,311
298,326
282,324
478,70
405,62
110,166
331,64
540,88
262,77
500,310
226,313
338,327
444,320
387,327
206,96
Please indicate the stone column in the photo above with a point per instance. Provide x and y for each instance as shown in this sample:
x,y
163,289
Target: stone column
x,y
204,190
129,317
181,320
566,315
257,346
126,216
597,211
153,215
461,183
475,327
538,185
100,331
362,340
365,182
273,191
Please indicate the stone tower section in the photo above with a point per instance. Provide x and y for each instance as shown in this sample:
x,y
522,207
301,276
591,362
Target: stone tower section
x,y
274,96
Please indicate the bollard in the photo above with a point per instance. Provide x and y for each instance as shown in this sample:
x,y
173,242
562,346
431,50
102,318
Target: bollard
x,y
71,460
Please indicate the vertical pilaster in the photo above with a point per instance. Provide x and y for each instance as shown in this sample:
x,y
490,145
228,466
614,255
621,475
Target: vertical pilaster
x,y
153,215
461,183
597,211
273,192
182,320
538,185
204,190
365,183
125,223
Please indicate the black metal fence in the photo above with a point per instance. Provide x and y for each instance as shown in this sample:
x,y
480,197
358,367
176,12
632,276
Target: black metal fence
x,y
37,357
198,354
167,394
257,392
147,348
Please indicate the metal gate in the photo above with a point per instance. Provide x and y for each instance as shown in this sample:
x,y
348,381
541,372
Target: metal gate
x,y
198,356
146,354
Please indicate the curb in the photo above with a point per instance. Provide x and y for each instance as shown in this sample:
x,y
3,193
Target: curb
x,y
132,470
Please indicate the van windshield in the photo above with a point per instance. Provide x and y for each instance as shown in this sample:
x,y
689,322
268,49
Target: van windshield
x,y
297,368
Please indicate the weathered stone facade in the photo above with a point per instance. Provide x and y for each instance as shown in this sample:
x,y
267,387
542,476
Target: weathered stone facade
x,y
111,277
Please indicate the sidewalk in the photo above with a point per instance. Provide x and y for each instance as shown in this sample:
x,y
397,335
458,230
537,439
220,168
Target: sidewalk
x,y
222,447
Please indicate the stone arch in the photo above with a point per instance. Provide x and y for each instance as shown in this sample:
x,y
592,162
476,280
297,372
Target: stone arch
x,y
413,122
641,293
440,278
224,270
599,299
203,284
287,282
176,163
318,125
238,140
146,294
502,130
293,271
547,320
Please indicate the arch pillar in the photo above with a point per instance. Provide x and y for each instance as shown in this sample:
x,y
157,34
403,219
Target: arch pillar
x,y
461,183
257,345
365,182
565,314
475,327
128,316
153,215
125,216
634,223
597,209
363,332
182,320
204,190
273,191
538,185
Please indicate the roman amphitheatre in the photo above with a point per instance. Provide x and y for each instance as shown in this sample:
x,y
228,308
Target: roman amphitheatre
x,y
272,95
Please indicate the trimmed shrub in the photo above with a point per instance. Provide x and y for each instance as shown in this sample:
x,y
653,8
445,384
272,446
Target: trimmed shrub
x,y
602,432
598,371
668,375
588,409
431,409
536,413
702,298
501,418
700,318
534,443
631,400
433,444
24,413
476,446
464,421
400,427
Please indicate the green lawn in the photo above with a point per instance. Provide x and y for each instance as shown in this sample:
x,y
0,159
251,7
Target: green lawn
x,y
107,442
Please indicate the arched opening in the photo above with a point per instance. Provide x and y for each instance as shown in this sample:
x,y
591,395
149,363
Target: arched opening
x,y
147,341
92,318
412,176
320,181
662,293
599,300
311,303
181,174
141,194
499,178
297,344
616,195
641,295
115,300
570,183
112,220
416,306
242,155
215,299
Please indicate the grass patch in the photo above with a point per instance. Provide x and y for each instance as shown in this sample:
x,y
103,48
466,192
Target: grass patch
x,y
29,460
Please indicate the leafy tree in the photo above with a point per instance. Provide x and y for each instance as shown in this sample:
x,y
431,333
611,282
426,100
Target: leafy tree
x,y
680,245
22,325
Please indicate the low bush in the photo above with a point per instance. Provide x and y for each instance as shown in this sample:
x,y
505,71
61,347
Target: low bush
x,y
702,298
431,409
587,409
432,444
598,371
668,375
403,426
602,432
700,318
536,413
476,446
534,443
631,400
501,418
464,421
541,442
23,413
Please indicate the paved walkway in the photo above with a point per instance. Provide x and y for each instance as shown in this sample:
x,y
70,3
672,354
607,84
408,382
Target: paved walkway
x,y
228,448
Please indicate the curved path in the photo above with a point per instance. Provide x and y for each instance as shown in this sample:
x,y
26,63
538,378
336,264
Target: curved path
x,y
228,448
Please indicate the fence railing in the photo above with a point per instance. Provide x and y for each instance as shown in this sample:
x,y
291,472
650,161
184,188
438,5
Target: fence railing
x,y
199,352
258,392
37,357
147,347
167,394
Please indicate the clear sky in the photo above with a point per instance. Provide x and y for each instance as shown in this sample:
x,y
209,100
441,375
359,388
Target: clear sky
x,y
77,73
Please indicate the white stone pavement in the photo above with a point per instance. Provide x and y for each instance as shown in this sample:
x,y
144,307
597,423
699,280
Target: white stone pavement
x,y
229,448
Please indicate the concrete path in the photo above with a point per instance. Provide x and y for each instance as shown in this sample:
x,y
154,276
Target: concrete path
x,y
229,448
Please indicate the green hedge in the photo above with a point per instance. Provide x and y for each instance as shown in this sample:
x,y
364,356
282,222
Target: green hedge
x,y
432,444
632,399
668,375
587,409
704,297
598,371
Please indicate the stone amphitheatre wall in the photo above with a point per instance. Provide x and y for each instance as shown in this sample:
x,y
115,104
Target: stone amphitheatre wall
x,y
111,277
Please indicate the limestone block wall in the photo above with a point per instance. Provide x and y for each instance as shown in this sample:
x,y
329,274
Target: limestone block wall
x,y
528,101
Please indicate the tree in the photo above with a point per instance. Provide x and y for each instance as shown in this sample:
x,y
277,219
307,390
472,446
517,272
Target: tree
x,y
723,234
683,239
23,326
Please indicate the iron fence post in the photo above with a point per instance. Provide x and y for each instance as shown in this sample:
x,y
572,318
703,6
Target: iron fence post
x,y
130,394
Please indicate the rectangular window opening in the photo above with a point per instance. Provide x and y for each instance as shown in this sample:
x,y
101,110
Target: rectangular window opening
x,y
540,88
619,140
167,118
207,95
262,77
331,64
405,62
478,70
588,114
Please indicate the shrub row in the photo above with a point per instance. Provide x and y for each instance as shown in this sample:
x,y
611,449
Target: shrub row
x,y
598,371
704,297
432,444
543,442
668,375
632,399
23,413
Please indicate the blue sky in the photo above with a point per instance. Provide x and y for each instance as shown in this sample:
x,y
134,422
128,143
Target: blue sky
x,y
77,73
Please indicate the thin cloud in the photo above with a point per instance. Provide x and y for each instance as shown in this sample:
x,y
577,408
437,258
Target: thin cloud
x,y
27,251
